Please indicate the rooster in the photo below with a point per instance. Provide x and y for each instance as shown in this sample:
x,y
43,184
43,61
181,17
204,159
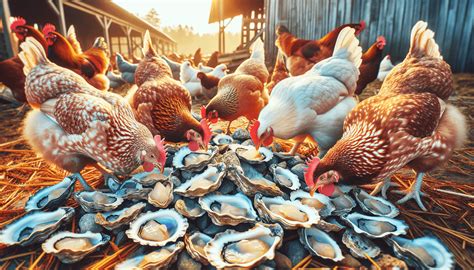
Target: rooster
x,y
302,54
73,124
406,123
279,72
11,70
385,67
92,64
370,64
241,93
127,69
315,103
163,104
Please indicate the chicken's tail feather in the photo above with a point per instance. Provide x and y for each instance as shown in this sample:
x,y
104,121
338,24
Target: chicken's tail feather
x,y
32,54
348,41
422,41
148,49
258,51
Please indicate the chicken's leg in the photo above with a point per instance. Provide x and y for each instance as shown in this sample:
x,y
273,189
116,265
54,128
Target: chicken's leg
x,y
82,181
228,128
383,186
105,174
298,141
414,192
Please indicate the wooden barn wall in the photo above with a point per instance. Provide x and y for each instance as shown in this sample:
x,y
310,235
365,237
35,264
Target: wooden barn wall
x,y
452,21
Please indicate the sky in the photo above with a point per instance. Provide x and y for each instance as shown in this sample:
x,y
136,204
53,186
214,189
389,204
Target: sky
x,y
185,12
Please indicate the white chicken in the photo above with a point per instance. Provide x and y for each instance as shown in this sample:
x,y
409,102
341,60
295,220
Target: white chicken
x,y
315,103
385,67
192,83
204,68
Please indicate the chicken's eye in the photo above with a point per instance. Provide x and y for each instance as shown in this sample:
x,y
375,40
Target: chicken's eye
x,y
152,156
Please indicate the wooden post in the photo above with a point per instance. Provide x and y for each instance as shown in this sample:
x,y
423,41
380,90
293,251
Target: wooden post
x,y
105,22
127,29
5,13
59,10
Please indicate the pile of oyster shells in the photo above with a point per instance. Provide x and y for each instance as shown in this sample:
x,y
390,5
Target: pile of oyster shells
x,y
228,207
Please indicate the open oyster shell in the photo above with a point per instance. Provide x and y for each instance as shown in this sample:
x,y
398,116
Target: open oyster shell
x,y
320,244
329,224
114,219
375,205
359,245
162,194
185,159
251,182
149,179
51,197
250,154
157,228
424,253
319,201
96,201
158,259
375,227
195,244
285,177
290,214
202,183
222,139
189,208
228,209
244,249
343,204
35,226
71,247
132,190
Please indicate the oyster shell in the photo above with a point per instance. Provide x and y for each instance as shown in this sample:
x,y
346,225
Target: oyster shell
x,y
157,228
375,227
51,197
71,247
162,194
222,139
285,177
96,201
329,224
319,201
244,249
149,179
343,204
132,190
359,245
203,183
250,154
185,159
158,259
35,226
228,209
320,244
290,214
189,208
426,252
115,219
251,182
195,244
375,205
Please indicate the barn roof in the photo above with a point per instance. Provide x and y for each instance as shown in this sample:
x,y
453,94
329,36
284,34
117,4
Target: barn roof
x,y
232,8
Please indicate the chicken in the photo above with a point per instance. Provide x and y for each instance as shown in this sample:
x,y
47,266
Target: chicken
x,y
370,64
127,69
213,60
197,58
73,124
193,84
279,72
302,54
115,79
175,67
163,104
187,73
92,64
11,70
316,103
407,123
205,69
385,67
241,93
209,84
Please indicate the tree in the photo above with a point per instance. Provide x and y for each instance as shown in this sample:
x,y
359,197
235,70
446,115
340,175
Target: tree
x,y
153,18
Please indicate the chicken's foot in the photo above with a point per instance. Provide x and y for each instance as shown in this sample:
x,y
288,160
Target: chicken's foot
x,y
83,182
383,186
228,128
414,192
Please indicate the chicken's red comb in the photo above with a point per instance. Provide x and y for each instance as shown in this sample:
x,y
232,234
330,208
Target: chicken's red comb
x,y
161,149
309,172
381,40
18,21
203,112
253,130
48,28
206,130
362,27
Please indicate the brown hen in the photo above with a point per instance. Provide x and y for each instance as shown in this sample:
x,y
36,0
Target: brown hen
x,y
369,68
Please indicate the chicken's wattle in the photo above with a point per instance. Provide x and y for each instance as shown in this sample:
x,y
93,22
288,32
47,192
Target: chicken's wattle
x,y
148,166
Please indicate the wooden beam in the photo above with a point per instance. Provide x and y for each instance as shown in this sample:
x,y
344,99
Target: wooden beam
x,y
105,23
59,10
128,30
5,12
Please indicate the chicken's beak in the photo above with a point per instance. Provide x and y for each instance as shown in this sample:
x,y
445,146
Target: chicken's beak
x,y
160,167
202,145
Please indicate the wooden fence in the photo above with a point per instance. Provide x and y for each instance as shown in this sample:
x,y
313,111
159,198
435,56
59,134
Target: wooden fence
x,y
452,21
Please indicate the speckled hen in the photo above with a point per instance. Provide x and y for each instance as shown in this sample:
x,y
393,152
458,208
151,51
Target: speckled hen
x,y
73,124
407,123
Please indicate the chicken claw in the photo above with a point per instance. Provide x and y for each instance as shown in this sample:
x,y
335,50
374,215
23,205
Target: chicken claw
x,y
383,186
413,193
